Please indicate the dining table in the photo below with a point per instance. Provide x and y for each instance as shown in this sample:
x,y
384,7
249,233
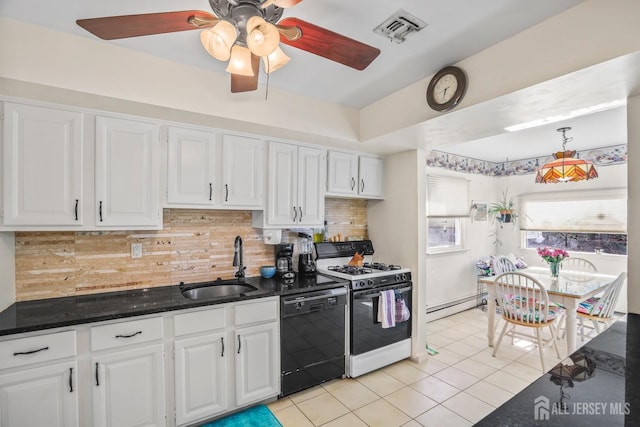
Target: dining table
x,y
569,289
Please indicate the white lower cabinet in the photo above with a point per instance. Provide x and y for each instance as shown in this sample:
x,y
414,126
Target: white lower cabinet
x,y
226,357
39,381
117,374
200,377
45,396
257,364
128,388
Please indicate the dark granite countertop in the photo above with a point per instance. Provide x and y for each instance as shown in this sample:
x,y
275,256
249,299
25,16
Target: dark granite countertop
x,y
597,385
28,316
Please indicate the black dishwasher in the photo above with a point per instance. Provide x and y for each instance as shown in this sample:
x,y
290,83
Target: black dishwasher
x,y
312,338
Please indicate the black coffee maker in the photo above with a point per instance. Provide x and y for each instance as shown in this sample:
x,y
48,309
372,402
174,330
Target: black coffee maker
x,y
306,264
284,260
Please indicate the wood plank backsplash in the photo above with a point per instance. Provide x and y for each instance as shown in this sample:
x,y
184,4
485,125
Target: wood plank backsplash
x,y
193,246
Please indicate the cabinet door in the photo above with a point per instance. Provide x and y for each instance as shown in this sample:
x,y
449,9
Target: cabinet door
x,y
311,176
45,396
126,173
257,363
42,166
342,175
282,171
128,388
370,174
191,160
200,376
242,171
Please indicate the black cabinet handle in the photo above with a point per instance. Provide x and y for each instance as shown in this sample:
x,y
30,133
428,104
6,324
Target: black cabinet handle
x,y
76,209
210,191
222,341
97,375
362,189
70,380
295,214
300,209
100,210
239,344
226,192
353,183
130,335
21,353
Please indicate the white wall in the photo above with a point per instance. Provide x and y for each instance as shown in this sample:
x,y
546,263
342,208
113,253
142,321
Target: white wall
x,y
452,276
633,207
7,270
397,229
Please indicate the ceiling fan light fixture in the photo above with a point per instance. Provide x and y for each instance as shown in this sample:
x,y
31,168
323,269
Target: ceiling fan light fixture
x,y
240,62
275,60
262,37
219,39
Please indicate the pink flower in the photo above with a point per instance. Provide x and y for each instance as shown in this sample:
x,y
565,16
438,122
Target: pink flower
x,y
554,255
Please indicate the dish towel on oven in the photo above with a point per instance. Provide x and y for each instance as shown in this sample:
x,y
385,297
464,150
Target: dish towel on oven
x,y
387,309
402,311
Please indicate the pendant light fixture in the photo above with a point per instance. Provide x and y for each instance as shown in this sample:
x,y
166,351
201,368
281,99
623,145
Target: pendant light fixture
x,y
566,168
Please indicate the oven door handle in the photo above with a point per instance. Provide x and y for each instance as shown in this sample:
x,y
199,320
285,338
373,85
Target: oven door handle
x,y
377,294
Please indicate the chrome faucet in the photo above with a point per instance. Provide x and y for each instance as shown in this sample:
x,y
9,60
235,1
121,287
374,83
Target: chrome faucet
x,y
237,258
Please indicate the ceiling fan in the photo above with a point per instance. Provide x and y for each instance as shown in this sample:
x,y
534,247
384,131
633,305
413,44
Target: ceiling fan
x,y
241,31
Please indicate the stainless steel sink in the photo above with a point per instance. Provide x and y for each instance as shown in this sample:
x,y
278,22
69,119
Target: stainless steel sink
x,y
218,290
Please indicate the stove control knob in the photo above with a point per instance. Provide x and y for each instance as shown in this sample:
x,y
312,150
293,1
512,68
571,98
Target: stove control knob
x,y
370,282
361,284
398,277
404,277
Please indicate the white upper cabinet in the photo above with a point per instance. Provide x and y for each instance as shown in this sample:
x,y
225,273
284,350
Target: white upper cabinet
x,y
370,173
353,175
126,176
242,171
43,173
342,173
294,197
191,167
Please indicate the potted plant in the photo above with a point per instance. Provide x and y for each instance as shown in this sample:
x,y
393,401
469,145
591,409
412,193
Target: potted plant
x,y
503,210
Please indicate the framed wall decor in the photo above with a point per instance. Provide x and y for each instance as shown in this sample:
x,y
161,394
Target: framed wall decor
x,y
478,211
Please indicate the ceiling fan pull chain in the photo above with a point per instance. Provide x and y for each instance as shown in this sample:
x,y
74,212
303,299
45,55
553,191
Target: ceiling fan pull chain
x,y
266,92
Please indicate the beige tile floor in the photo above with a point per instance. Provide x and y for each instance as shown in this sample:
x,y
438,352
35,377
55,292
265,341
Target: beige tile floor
x,y
456,387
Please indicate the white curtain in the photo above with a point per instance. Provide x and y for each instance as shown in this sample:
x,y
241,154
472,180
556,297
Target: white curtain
x,y
447,196
603,211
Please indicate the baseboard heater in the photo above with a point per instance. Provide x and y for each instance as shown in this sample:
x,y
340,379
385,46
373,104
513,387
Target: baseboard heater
x,y
474,297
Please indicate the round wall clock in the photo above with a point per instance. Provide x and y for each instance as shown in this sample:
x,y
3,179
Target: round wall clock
x,y
446,88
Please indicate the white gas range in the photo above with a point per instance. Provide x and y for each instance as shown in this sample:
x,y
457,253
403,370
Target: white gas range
x,y
370,346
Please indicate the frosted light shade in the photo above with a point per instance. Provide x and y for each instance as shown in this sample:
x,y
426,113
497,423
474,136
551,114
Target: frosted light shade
x,y
262,37
219,39
277,59
240,62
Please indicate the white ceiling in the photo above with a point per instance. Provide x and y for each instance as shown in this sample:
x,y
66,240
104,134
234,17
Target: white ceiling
x,y
456,29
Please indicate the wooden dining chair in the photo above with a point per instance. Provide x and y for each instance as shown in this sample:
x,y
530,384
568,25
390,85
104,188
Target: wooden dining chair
x,y
577,269
600,309
524,302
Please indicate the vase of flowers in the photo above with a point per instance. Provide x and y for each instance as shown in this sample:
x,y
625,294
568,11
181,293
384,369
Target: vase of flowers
x,y
553,257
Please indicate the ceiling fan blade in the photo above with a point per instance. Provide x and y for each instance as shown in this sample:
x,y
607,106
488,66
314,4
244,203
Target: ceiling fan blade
x,y
280,3
330,45
246,83
121,27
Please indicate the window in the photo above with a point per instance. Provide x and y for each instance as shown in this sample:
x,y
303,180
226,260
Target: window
x,y
447,205
445,234
580,221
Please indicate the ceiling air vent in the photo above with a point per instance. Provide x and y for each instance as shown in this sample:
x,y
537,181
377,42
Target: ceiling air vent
x,y
399,26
